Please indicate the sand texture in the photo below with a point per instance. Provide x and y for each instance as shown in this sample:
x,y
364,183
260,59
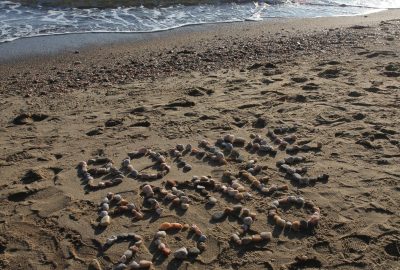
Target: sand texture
x,y
339,88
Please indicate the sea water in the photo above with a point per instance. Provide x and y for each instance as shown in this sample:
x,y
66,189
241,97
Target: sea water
x,y
20,21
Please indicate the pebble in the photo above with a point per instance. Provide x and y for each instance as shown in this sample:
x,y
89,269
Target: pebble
x,y
202,238
160,234
212,200
236,239
266,235
105,221
103,213
128,254
187,167
181,253
105,206
111,240
120,266
134,265
194,251
145,264
246,240
248,221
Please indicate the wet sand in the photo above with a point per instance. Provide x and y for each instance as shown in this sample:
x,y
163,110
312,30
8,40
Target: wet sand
x,y
334,83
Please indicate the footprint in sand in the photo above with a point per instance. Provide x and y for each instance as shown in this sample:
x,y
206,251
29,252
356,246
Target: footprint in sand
x,y
27,118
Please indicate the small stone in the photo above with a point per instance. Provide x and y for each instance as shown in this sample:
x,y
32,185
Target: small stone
x,y
111,240
202,238
103,213
181,253
194,251
128,254
105,206
237,208
266,235
105,221
248,221
120,266
246,240
212,200
236,239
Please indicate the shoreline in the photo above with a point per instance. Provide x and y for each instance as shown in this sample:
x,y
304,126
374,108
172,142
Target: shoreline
x,y
30,47
209,47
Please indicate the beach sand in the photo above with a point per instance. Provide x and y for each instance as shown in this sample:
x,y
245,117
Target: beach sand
x,y
333,82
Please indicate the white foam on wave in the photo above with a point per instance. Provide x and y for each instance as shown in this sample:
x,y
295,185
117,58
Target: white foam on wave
x,y
19,21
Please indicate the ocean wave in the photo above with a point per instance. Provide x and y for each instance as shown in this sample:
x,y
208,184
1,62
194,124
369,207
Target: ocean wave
x,y
19,21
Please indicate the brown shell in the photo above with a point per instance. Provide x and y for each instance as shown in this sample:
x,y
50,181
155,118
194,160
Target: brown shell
x,y
296,225
165,226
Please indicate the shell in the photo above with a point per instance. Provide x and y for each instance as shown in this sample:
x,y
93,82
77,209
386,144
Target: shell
x,y
111,240
246,212
105,206
202,238
180,147
117,198
181,253
177,226
203,143
128,254
194,251
143,151
121,266
239,196
105,221
185,206
187,167
161,246
280,222
256,238
176,201
82,164
296,225
160,234
137,214
246,240
212,201
134,265
266,235
103,214
248,221
166,251
147,190
236,239
229,138
145,264
165,226
159,210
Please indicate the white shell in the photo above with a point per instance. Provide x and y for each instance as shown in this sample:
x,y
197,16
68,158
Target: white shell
x,y
105,221
248,221
160,234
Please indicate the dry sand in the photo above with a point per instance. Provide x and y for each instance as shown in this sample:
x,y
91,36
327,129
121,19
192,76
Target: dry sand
x,y
338,86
